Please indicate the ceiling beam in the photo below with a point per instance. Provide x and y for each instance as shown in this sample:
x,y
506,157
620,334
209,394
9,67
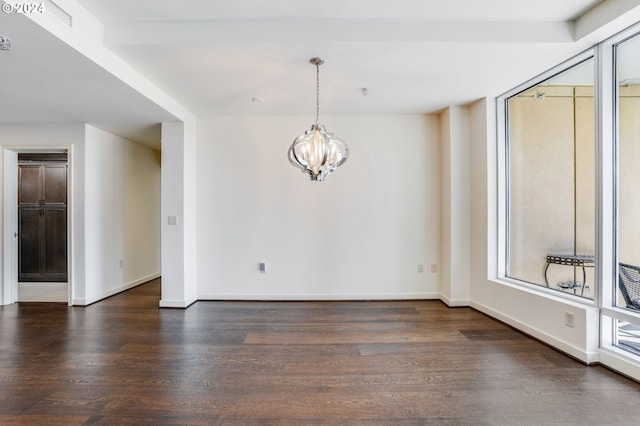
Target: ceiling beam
x,y
607,18
206,32
86,37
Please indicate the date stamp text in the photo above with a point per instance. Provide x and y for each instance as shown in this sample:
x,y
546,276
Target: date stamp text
x,y
24,8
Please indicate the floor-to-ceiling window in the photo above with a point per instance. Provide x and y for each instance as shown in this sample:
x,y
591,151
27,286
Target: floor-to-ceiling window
x,y
570,174
626,295
550,180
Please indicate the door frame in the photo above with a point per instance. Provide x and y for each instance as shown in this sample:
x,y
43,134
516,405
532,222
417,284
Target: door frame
x,y
10,220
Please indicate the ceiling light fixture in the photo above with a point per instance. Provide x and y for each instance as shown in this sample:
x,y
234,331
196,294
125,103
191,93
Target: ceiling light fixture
x,y
630,82
318,152
5,42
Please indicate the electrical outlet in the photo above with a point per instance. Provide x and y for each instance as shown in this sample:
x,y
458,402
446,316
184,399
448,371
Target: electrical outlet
x,y
420,268
569,319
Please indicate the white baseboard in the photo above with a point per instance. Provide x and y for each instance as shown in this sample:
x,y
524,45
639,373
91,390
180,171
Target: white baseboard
x,y
318,296
577,353
454,303
179,304
621,362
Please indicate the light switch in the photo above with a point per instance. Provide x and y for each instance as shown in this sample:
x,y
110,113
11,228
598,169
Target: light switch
x,y
173,220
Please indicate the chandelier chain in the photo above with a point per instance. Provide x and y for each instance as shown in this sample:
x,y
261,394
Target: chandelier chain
x,y
317,93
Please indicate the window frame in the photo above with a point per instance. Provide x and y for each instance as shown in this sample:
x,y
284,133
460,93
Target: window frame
x,y
503,199
609,195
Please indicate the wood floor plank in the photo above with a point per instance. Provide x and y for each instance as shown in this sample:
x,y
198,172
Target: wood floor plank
x,y
329,337
124,361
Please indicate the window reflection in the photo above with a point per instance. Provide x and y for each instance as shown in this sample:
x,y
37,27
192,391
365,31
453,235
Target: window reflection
x,y
628,100
551,198
627,336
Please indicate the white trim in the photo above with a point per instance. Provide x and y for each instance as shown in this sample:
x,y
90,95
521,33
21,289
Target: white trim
x,y
584,356
454,303
70,222
9,227
180,304
501,184
546,292
620,361
606,170
493,191
319,296
621,314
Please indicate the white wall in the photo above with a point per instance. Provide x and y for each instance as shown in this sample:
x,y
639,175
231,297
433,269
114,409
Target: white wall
x,y
455,207
141,247
122,207
359,234
104,230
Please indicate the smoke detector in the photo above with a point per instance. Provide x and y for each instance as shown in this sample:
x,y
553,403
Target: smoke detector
x,y
5,42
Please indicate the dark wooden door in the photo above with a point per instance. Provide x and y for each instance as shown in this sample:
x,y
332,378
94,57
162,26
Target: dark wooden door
x,y
42,222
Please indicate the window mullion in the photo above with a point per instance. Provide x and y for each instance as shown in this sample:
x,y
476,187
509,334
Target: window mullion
x,y
605,176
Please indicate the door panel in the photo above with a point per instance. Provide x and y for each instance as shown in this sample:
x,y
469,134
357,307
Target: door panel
x,y
42,211
55,184
29,242
29,185
55,243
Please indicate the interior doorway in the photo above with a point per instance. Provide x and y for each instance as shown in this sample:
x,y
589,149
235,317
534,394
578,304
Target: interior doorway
x,y
42,227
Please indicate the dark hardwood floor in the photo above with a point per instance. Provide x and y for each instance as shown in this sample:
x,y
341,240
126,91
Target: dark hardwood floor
x,y
124,361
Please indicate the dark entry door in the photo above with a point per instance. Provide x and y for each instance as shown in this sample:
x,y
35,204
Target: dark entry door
x,y
42,222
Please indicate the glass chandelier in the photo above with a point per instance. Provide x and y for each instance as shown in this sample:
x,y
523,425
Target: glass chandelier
x,y
318,152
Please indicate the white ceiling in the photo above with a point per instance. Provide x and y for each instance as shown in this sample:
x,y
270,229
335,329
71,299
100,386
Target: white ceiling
x,y
45,81
419,10
214,56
